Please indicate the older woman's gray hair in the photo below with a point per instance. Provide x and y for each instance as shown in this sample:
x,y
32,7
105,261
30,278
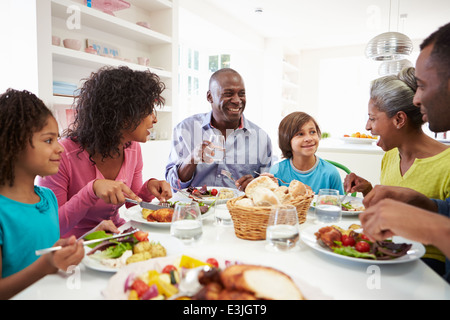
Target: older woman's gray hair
x,y
395,93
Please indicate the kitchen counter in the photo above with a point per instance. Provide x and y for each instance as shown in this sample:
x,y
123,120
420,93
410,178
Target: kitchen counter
x,y
362,159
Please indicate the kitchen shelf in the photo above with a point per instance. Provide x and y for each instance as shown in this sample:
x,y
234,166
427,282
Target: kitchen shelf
x,y
99,20
88,60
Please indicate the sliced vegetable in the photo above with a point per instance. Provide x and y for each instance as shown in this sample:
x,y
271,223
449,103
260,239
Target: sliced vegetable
x,y
141,236
213,262
169,268
151,293
140,287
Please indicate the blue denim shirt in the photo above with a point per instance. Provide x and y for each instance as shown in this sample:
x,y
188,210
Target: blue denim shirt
x,y
444,209
247,149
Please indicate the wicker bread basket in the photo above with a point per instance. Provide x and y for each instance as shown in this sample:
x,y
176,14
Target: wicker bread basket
x,y
250,223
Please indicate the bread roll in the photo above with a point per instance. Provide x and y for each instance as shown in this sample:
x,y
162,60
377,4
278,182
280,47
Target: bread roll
x,y
297,188
260,182
245,202
263,282
282,193
264,197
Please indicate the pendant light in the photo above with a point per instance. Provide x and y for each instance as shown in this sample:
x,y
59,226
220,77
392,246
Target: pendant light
x,y
393,67
389,45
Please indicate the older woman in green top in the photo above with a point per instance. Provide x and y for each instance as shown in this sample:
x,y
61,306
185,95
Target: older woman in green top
x,y
412,159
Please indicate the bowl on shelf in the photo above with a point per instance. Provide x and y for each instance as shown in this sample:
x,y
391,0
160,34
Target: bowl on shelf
x,y
90,50
143,24
144,61
56,41
72,44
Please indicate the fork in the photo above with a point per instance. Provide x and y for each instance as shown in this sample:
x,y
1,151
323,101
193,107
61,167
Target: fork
x,y
187,194
274,177
227,174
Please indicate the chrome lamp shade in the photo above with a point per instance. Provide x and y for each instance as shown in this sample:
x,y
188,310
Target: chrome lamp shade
x,y
393,67
389,46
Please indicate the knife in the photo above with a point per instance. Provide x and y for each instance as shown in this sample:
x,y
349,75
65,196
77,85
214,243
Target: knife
x,y
147,205
51,249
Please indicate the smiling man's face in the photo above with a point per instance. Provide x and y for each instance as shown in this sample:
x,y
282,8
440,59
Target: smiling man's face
x,y
227,98
433,92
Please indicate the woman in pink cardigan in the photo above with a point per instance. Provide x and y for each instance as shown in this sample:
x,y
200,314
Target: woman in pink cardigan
x,y
102,162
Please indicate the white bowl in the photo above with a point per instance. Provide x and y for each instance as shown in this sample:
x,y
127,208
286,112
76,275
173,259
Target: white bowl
x,y
72,44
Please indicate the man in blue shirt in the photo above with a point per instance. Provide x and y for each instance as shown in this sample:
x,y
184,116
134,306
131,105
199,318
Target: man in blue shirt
x,y
247,147
411,214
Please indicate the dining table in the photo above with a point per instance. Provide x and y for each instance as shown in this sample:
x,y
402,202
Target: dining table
x,y
318,275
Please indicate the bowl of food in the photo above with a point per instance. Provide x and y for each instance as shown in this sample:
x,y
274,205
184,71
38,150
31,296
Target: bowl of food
x,y
73,44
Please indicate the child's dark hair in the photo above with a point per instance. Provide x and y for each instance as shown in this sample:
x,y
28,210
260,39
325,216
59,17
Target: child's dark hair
x,y
110,101
21,115
289,127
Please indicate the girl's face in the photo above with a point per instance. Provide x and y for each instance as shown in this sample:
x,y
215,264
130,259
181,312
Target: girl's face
x,y
44,157
306,141
142,131
381,125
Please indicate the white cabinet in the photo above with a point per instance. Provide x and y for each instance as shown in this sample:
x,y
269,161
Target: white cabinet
x,y
290,84
68,19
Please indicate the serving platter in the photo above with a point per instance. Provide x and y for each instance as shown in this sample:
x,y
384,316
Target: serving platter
x,y
211,199
308,237
115,288
358,140
172,245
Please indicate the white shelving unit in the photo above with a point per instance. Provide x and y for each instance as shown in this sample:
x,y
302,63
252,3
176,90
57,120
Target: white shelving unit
x,y
72,19
290,84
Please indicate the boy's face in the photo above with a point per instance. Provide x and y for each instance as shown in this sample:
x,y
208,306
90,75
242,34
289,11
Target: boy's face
x,y
44,156
306,141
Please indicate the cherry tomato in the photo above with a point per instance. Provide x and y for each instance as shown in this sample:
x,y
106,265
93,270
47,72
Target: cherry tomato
x,y
362,246
214,192
139,286
212,262
347,241
169,268
364,237
141,236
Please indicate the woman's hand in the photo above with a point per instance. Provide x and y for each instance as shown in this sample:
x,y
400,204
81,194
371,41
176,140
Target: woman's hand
x,y
354,183
113,192
160,189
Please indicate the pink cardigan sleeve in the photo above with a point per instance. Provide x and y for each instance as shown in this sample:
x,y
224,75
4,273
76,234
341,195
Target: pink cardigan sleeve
x,y
71,211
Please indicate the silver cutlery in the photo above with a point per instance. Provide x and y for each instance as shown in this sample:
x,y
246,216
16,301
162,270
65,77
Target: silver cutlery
x,y
274,177
47,250
227,174
149,205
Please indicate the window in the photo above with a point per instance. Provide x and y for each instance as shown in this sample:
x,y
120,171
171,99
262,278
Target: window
x,y
195,68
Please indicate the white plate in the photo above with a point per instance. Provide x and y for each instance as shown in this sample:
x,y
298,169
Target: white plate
x,y
358,140
173,247
115,287
135,214
416,252
353,201
210,200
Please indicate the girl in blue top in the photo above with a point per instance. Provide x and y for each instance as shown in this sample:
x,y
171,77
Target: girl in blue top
x,y
28,213
298,139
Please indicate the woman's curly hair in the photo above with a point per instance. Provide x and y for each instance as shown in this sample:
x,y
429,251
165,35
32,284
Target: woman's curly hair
x,y
110,101
21,115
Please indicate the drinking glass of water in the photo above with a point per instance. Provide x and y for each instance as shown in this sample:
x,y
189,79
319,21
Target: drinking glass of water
x,y
328,206
282,232
186,222
221,213
218,147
